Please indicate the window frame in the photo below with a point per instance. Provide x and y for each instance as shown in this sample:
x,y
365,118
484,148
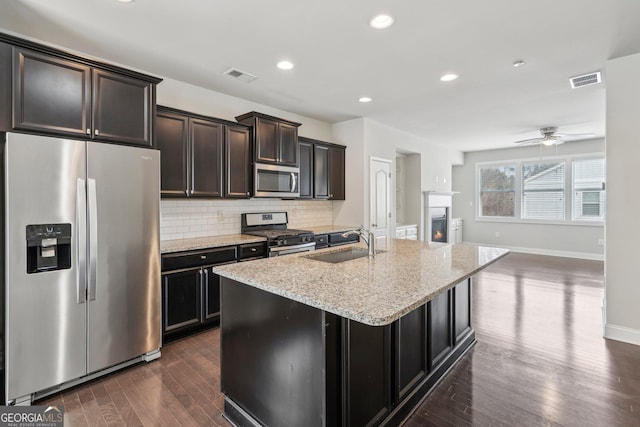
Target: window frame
x,y
569,192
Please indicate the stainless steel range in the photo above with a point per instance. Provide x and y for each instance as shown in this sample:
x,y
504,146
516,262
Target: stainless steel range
x,y
280,239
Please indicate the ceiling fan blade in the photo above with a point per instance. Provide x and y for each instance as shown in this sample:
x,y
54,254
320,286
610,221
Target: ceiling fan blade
x,y
528,141
568,136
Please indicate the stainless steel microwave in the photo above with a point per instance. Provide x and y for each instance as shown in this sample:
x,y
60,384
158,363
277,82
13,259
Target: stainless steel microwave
x,y
276,181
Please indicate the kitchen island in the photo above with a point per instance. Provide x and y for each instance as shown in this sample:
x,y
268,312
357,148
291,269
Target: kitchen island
x,y
359,342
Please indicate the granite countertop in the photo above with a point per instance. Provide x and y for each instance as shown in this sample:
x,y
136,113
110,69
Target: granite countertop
x,y
326,229
170,246
375,292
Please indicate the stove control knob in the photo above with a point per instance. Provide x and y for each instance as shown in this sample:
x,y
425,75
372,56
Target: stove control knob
x,y
279,242
284,242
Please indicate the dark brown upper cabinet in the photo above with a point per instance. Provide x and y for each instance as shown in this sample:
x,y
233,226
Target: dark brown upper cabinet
x,y
206,144
275,139
57,93
306,169
323,165
238,162
172,139
202,156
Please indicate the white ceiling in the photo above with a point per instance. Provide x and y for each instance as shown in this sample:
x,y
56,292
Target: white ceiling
x,y
339,58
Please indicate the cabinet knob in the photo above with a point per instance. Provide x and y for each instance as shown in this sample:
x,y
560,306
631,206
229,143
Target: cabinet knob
x,y
247,193
88,131
253,249
203,257
330,195
97,132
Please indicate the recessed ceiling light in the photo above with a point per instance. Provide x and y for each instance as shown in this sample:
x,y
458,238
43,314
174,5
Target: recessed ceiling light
x,y
364,99
448,77
518,63
381,22
125,1
285,65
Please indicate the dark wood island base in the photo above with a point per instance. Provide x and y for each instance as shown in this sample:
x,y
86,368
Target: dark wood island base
x,y
285,363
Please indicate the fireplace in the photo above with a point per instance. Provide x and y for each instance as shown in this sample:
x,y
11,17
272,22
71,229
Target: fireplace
x,y
437,217
439,224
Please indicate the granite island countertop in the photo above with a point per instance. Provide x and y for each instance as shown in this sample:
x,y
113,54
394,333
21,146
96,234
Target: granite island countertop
x,y
375,292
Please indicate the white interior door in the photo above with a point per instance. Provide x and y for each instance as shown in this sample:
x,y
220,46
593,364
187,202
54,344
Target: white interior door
x,y
380,208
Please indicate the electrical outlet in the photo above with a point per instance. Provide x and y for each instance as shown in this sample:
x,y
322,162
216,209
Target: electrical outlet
x,y
497,234
600,242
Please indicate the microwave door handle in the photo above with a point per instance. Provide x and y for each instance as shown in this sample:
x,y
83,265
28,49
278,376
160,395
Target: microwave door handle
x,y
294,182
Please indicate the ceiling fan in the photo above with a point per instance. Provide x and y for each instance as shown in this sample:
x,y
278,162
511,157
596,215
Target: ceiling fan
x,y
550,137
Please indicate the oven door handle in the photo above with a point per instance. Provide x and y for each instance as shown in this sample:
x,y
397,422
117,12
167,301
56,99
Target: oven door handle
x,y
294,182
284,250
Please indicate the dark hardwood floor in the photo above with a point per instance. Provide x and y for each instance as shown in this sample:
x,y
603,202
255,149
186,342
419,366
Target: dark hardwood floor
x,y
540,360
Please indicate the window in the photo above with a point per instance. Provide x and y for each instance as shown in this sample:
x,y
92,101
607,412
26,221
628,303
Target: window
x,y
543,191
588,190
497,191
568,190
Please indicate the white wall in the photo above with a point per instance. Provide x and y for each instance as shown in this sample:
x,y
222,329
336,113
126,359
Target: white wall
x,y
622,266
366,138
563,240
177,94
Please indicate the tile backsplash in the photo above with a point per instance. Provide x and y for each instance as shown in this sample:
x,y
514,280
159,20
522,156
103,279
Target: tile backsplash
x,y
183,219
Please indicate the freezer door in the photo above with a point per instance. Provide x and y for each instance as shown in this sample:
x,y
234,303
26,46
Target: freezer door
x,y
45,310
123,195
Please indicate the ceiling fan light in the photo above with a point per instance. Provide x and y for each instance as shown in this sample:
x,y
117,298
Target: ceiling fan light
x,y
548,141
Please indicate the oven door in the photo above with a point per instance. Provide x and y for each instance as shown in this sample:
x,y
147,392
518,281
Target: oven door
x,y
286,250
276,181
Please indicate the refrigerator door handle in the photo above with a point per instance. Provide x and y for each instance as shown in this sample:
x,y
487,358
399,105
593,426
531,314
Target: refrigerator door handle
x,y
81,240
93,238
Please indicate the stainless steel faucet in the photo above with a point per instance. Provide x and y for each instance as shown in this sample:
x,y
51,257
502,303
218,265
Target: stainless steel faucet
x,y
368,237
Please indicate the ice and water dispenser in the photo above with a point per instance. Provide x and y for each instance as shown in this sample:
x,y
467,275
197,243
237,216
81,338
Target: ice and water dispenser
x,y
48,247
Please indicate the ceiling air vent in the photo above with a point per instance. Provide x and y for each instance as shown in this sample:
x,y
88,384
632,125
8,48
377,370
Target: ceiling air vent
x,y
586,80
240,75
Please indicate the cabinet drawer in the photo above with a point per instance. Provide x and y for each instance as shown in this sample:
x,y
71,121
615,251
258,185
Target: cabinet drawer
x,y
401,233
337,239
322,240
411,231
252,250
198,258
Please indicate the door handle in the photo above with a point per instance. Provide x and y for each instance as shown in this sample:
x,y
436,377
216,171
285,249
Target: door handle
x,y
93,238
81,240
294,182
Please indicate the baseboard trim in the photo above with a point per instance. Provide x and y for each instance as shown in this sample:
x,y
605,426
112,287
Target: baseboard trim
x,y
537,251
622,333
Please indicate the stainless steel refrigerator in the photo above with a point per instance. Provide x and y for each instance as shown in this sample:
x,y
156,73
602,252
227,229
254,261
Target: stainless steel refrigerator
x,y
81,261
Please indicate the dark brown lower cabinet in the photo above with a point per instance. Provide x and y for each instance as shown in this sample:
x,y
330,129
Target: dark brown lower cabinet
x,y
373,375
439,320
411,339
367,371
191,290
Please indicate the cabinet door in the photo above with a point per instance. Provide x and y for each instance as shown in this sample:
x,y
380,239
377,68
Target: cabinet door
x,y
368,382
411,351
440,340
211,297
267,140
171,138
181,299
238,163
336,173
50,95
288,146
321,172
121,108
206,161
462,305
306,170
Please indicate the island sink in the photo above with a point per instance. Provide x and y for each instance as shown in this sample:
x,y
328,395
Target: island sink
x,y
341,256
